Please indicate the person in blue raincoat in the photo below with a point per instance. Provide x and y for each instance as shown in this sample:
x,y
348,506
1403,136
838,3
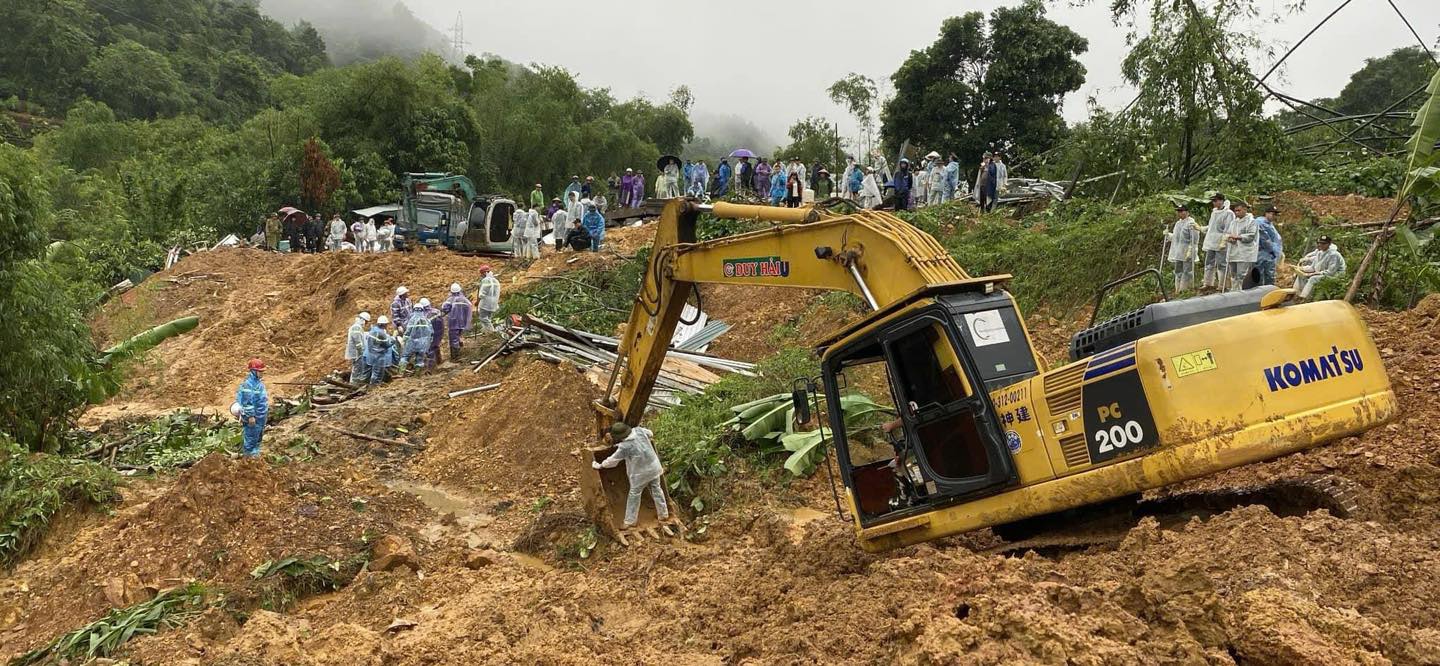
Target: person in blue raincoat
x,y
379,349
594,224
722,178
418,335
778,178
254,403
855,183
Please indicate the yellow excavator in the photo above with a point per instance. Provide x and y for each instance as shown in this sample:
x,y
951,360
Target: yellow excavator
x,y
982,434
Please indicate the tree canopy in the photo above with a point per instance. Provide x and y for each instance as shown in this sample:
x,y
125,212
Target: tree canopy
x,y
147,58
986,82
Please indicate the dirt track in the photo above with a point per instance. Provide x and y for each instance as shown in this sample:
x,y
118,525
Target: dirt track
x,y
777,580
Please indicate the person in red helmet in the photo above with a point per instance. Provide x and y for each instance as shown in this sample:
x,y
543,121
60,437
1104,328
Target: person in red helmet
x,y
254,407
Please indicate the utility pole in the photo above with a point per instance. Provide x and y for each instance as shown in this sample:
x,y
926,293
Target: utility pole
x,y
457,38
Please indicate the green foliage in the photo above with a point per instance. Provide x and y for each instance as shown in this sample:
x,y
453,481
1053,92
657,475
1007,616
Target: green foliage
x,y
1060,256
135,81
45,347
975,86
173,441
1197,106
128,55
695,448
103,637
770,424
34,488
859,95
280,583
592,299
1422,174
1378,177
812,139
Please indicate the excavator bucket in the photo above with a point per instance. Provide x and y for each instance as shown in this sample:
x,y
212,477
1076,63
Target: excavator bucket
x,y
606,491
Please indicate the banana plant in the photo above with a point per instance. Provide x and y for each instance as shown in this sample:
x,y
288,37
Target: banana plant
x,y
770,422
1422,178
105,380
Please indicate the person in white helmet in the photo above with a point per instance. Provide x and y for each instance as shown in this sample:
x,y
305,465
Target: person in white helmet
x,y
379,349
400,307
355,349
459,313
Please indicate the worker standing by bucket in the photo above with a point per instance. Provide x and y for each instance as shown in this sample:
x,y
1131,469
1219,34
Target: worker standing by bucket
x,y
254,403
642,465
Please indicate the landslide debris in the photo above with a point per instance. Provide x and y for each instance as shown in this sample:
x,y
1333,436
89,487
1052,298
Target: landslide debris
x,y
769,582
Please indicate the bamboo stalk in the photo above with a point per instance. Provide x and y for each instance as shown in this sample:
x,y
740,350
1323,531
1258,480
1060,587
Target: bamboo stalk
x,y
477,389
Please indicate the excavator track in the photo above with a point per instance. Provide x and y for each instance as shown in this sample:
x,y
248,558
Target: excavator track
x,y
1107,524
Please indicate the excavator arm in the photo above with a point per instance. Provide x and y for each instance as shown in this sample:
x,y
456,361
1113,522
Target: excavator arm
x,y
870,254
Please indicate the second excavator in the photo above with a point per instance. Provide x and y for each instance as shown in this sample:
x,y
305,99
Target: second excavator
x,y
981,433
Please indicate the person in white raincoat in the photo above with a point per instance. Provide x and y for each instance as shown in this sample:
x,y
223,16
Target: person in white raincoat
x,y
1322,262
844,185
935,182
882,167
642,465
355,349
869,190
1214,245
525,229
920,188
1243,239
385,236
488,298
669,186
372,238
560,222
337,233
1184,238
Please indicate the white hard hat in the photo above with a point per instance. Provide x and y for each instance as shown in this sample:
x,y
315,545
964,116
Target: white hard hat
x,y
235,409
424,302
401,291
455,288
383,320
365,316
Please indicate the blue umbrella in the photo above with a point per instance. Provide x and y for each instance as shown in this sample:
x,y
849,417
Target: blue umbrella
x,y
742,152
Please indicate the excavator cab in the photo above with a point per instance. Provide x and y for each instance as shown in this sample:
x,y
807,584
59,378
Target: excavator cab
x,y
945,442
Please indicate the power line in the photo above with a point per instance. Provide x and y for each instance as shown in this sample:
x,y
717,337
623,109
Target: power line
x,y
1423,45
1302,40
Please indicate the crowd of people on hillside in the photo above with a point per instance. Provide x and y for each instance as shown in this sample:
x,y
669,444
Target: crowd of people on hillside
x,y
296,231
405,340
1236,250
782,182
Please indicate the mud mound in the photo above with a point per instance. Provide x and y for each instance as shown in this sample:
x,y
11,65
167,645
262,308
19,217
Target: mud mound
x,y
292,310
516,440
1332,208
217,522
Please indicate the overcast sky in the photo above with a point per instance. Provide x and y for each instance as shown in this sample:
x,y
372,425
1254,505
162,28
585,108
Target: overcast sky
x,y
728,57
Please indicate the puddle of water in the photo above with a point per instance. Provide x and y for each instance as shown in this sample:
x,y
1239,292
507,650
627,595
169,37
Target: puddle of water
x,y
434,497
469,522
530,561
